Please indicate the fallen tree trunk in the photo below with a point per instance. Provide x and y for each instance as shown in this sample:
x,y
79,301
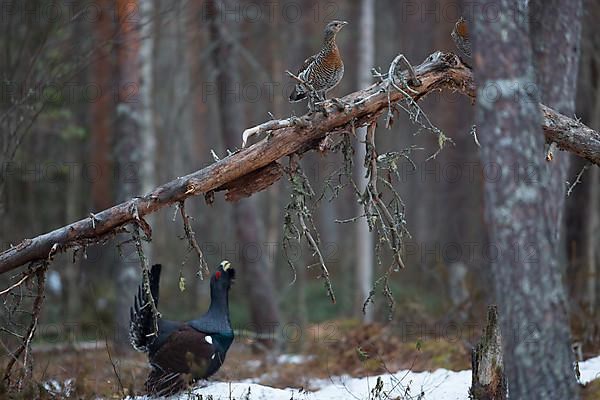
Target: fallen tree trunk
x,y
245,168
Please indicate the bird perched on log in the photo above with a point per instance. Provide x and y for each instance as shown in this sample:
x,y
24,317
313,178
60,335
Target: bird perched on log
x,y
460,36
182,352
322,71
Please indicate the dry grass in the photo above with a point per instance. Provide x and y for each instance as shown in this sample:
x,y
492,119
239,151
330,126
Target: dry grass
x,y
347,348
591,391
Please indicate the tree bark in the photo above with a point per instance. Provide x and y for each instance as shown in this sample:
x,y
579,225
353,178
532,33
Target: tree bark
x,y
365,243
102,111
526,275
555,25
249,230
128,154
488,380
583,203
438,71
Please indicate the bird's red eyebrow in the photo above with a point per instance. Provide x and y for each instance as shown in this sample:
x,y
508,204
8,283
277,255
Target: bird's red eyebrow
x,y
218,274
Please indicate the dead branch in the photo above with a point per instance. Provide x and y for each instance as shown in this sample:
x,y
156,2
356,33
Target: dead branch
x,y
25,347
253,182
192,242
438,71
298,210
390,226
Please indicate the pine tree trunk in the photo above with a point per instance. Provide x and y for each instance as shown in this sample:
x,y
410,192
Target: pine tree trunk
x,y
556,24
102,110
583,203
523,225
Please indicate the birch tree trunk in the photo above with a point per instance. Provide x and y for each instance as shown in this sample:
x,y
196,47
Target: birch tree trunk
x,y
523,227
364,238
146,90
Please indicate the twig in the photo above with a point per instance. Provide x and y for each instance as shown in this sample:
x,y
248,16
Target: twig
x,y
474,134
192,242
577,179
371,161
114,367
25,346
145,278
301,81
265,127
301,190
550,153
23,279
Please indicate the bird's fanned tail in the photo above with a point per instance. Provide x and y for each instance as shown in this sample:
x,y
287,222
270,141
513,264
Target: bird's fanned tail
x,y
144,317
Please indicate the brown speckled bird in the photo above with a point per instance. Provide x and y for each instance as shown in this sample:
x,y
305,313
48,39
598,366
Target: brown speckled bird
x,y
324,70
460,35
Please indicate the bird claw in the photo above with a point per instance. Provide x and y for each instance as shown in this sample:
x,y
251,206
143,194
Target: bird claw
x,y
340,104
414,81
320,106
299,122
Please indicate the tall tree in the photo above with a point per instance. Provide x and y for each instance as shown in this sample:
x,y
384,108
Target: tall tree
x,y
101,109
249,230
523,228
145,62
134,140
364,237
583,204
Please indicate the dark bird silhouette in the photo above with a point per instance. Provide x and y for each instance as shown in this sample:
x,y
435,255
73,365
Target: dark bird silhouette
x,y
181,353
322,71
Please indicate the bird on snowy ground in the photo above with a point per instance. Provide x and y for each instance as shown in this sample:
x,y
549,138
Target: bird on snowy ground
x,y
321,72
179,352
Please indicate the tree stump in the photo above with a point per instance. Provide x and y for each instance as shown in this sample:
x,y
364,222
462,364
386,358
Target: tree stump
x,y
488,380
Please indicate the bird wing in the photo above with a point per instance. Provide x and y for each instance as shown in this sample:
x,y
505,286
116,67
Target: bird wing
x,y
143,316
306,63
186,355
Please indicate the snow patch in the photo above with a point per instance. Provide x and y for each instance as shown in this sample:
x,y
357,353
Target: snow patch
x,y
58,388
440,384
293,359
589,370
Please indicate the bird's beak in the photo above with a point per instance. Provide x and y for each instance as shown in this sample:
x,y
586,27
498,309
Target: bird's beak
x,y
225,265
344,23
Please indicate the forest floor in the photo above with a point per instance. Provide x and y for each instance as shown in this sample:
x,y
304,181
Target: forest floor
x,y
354,351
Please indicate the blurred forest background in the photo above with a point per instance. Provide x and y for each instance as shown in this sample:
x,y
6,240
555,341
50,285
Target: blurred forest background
x,y
102,101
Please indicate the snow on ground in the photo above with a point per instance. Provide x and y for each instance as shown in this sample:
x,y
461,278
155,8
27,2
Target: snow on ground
x,y
437,385
589,370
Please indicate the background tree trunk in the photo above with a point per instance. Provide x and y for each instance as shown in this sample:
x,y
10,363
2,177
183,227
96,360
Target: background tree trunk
x,y
583,204
146,91
364,238
556,24
249,230
526,274
102,110
128,156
